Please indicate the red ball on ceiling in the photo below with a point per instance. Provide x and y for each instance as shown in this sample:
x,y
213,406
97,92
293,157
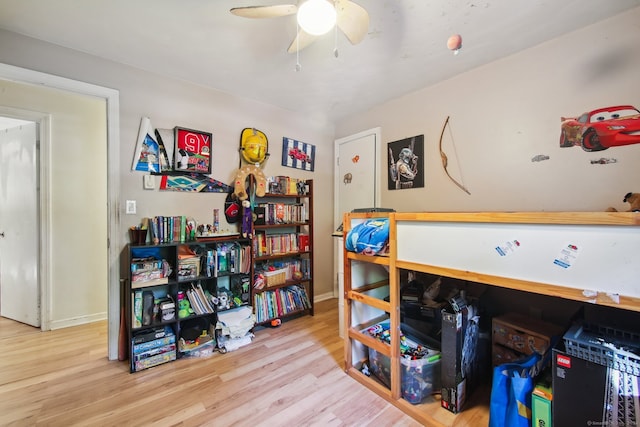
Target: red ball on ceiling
x,y
454,43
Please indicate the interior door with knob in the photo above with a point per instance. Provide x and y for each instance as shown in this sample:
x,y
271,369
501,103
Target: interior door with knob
x,y
357,175
19,224
356,185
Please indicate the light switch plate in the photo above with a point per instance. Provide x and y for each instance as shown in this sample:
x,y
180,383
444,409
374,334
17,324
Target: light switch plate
x,y
131,207
148,182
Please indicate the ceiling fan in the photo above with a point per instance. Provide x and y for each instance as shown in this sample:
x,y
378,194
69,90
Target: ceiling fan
x,y
351,18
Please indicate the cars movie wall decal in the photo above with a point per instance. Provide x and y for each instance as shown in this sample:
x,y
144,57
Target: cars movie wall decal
x,y
602,128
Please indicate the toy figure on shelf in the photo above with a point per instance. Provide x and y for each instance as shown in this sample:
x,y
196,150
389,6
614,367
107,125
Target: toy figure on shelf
x,y
247,219
223,300
184,308
634,203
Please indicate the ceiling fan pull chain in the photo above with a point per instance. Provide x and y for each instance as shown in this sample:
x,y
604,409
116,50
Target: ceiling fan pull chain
x,y
335,40
298,66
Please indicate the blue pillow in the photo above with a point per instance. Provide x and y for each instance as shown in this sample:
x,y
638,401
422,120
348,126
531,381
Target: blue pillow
x,y
369,237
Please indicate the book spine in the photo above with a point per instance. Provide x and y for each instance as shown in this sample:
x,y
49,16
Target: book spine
x,y
155,360
160,342
183,228
154,351
136,321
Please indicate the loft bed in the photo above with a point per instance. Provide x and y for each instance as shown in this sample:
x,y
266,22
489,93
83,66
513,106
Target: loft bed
x,y
590,257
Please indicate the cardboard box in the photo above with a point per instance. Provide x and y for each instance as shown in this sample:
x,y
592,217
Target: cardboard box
x,y
500,355
596,378
583,393
460,355
303,242
521,333
541,399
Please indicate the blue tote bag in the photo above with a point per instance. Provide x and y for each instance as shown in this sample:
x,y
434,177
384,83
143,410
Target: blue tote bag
x,y
511,393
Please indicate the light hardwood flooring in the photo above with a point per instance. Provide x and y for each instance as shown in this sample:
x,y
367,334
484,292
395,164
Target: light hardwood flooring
x,y
288,376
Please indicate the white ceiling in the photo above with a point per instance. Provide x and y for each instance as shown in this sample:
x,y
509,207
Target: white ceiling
x,y
404,50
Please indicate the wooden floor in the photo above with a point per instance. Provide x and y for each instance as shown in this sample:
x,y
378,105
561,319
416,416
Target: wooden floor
x,y
288,376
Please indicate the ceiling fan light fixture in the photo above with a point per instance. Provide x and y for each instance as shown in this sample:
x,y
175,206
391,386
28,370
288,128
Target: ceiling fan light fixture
x,y
316,17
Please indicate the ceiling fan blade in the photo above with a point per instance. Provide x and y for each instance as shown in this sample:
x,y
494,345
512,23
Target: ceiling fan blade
x,y
301,41
352,19
265,11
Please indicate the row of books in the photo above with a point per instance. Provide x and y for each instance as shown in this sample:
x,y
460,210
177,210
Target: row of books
x,y
169,229
152,347
227,258
280,302
281,213
283,243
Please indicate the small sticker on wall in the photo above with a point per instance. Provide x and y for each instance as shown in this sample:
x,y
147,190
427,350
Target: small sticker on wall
x,y
508,248
567,256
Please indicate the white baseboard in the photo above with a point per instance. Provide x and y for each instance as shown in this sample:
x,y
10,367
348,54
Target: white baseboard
x,y
66,323
323,297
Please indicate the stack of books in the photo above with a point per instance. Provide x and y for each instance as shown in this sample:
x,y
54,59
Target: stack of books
x,y
152,347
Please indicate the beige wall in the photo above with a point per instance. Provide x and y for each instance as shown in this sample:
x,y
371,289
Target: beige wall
x,y
170,103
502,115
507,112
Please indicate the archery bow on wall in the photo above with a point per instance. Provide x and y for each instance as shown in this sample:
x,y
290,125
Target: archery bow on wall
x,y
445,159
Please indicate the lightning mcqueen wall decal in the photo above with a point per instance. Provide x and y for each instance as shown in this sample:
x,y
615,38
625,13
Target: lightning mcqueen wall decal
x,y
603,128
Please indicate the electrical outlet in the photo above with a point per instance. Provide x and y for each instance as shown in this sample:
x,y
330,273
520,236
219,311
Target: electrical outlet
x,y
130,207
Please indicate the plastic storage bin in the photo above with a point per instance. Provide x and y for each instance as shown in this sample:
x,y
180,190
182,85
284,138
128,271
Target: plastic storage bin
x,y
604,345
420,377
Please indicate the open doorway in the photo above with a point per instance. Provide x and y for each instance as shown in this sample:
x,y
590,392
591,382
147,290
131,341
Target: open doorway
x,y
63,244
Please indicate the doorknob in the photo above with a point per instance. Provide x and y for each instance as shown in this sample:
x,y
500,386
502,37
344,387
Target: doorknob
x,y
2,234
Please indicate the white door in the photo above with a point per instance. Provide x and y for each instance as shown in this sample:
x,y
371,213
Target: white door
x,y
357,183
357,177
19,224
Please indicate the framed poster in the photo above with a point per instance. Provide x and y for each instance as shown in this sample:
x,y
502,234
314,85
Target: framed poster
x,y
406,162
298,154
192,150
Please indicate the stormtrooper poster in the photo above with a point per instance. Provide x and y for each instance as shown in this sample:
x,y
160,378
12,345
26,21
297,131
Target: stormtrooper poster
x,y
406,163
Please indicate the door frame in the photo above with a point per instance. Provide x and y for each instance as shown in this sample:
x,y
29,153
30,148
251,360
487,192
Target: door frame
x,y
337,185
112,99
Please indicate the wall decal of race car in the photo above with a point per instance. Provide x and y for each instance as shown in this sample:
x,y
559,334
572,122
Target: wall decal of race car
x,y
603,128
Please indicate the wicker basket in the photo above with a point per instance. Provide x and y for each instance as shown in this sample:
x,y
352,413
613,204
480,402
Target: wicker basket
x,y
276,277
